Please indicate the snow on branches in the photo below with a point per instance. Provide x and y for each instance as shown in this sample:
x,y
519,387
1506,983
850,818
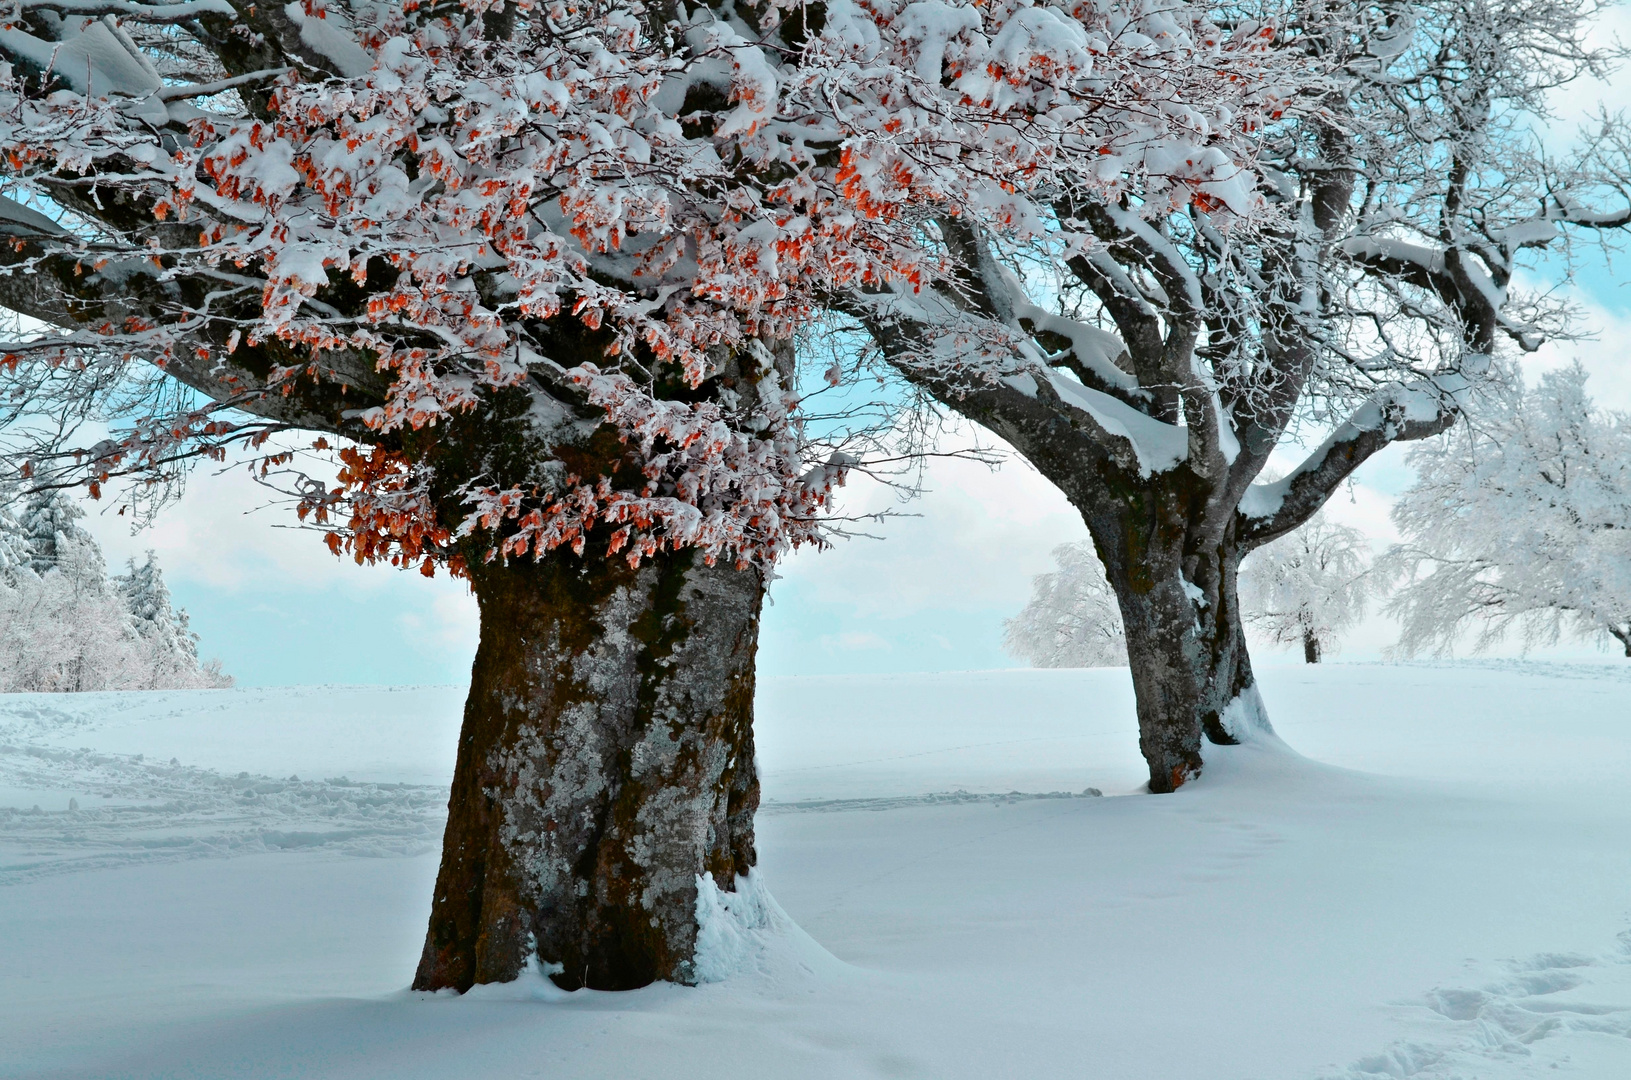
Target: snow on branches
x,y
456,190
407,207
1521,518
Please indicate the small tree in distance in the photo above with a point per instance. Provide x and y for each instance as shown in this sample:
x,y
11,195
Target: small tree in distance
x,y
1309,586
1072,619
1521,519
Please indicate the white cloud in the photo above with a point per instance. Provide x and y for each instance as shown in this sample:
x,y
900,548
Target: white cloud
x,y
856,641
1605,357
977,538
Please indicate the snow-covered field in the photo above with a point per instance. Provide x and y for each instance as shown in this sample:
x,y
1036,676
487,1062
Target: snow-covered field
x,y
1437,883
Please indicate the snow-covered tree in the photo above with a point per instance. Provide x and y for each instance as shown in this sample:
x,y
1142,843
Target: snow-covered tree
x,y
43,534
13,549
1072,619
168,646
1145,314
1521,518
60,632
1308,587
65,626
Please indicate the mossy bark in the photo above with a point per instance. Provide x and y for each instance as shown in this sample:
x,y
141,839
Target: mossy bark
x,y
606,761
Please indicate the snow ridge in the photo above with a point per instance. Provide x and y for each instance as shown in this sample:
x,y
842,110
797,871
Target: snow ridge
x,y
933,798
139,811
746,933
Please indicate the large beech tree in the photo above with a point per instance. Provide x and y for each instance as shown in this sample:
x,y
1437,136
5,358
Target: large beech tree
x,y
531,271
507,254
1330,253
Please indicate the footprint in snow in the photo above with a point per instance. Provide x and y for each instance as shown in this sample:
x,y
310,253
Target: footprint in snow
x,y
1515,1026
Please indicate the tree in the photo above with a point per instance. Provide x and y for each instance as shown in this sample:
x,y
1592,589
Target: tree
x,y
45,535
530,271
1309,586
61,632
167,644
66,627
1315,221
1519,518
1072,620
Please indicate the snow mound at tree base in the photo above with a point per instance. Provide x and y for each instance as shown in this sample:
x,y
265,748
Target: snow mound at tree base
x,y
746,934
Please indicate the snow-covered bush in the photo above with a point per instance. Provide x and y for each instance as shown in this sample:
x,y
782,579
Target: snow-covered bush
x,y
66,626
1519,519
1072,619
1309,586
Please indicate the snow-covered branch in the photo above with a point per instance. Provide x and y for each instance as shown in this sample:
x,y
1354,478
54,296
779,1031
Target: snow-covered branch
x,y
1398,414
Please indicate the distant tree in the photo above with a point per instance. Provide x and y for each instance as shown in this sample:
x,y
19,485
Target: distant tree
x,y
1072,619
1308,586
60,632
66,627
1522,518
163,631
45,535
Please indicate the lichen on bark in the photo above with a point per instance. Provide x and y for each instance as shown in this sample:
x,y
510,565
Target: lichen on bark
x,y
606,761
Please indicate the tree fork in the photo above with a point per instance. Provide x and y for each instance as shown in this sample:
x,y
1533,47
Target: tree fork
x,y
605,762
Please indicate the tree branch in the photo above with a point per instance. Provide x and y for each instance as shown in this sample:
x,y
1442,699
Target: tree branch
x,y
1269,511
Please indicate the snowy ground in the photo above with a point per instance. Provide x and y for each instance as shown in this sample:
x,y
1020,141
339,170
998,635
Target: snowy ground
x,y
1440,888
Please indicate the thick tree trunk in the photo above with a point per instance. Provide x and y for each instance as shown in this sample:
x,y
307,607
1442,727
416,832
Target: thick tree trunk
x,y
1311,649
1165,656
606,761
1186,648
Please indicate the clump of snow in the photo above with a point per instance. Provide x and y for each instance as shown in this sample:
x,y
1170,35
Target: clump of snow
x,y
532,984
1247,720
1156,446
